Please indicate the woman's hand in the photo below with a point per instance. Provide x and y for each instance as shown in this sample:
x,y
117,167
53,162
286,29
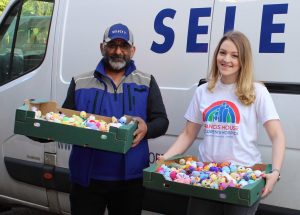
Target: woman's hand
x,y
271,180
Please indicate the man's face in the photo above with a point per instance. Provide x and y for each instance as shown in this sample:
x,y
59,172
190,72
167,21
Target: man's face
x,y
117,54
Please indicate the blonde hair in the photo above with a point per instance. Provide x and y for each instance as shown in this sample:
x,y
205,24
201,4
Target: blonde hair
x,y
244,84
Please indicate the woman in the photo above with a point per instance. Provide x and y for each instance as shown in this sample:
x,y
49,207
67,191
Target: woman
x,y
229,108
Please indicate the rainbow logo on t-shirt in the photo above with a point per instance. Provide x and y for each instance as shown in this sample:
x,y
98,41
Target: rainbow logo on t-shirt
x,y
222,111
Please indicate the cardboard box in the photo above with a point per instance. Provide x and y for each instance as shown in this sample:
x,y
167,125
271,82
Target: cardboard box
x,y
115,140
245,196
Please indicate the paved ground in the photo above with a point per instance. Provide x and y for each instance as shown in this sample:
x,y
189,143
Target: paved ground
x,y
26,211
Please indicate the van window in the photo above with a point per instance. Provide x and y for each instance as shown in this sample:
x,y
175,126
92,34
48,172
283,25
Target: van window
x,y
23,38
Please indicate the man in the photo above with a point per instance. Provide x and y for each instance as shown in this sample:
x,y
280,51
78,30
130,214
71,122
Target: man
x,y
103,179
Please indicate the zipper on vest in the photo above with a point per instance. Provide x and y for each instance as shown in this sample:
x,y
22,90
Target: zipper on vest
x,y
95,102
115,94
129,98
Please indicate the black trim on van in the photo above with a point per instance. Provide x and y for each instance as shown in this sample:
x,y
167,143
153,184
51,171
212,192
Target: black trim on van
x,y
167,203
284,88
32,173
275,87
155,201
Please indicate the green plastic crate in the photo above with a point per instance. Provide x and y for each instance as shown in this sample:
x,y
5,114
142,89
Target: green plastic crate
x,y
245,196
116,139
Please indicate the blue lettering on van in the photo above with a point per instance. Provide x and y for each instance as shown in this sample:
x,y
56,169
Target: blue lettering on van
x,y
64,146
229,19
194,30
153,157
268,28
163,30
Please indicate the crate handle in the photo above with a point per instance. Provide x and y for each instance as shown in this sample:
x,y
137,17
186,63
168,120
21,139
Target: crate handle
x,y
103,137
166,185
37,124
222,196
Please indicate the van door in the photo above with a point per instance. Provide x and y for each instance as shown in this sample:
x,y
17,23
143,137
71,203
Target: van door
x,y
273,30
25,72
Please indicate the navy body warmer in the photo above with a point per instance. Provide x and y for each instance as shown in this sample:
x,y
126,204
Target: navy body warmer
x,y
96,93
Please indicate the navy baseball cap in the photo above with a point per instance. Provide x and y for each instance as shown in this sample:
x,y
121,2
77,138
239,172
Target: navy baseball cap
x,y
118,31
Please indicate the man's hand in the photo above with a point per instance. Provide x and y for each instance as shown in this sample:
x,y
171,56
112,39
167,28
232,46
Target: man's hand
x,y
140,132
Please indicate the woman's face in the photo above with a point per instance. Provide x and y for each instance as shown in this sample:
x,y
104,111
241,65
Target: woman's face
x,y
228,62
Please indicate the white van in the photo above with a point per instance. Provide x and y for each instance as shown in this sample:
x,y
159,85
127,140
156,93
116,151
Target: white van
x,y
43,43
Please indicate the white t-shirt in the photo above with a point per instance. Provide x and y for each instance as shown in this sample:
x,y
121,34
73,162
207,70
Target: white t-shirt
x,y
230,127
